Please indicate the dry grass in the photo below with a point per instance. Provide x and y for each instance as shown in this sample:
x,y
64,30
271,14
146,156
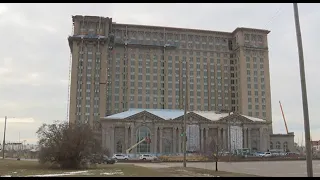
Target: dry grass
x,y
16,168
198,172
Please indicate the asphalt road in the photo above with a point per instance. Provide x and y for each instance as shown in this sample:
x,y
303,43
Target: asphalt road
x,y
262,168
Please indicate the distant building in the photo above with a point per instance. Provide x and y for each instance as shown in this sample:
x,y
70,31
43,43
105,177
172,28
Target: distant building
x,y
315,146
120,66
164,127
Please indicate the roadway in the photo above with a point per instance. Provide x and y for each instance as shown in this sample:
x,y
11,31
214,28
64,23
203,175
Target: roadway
x,y
261,168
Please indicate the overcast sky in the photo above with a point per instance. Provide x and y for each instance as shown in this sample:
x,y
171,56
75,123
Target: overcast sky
x,y
34,55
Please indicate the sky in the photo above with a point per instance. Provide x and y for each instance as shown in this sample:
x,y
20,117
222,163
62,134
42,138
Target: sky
x,y
35,56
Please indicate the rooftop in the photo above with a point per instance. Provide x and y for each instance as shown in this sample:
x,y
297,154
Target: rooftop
x,y
172,28
169,114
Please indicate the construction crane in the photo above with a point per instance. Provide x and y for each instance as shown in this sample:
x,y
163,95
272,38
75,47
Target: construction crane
x,y
147,139
284,119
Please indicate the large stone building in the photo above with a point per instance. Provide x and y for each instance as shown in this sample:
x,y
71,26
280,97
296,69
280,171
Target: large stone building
x,y
205,130
120,66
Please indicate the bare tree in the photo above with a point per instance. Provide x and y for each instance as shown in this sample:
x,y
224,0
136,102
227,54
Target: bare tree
x,y
67,145
215,151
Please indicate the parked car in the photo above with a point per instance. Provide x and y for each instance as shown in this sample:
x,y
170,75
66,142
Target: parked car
x,y
147,157
258,154
120,157
96,158
292,154
108,160
265,154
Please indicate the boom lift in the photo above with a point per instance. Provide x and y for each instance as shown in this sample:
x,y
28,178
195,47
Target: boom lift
x,y
284,119
147,139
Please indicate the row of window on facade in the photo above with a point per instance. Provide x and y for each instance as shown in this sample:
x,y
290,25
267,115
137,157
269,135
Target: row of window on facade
x,y
138,53
278,146
253,37
169,36
116,106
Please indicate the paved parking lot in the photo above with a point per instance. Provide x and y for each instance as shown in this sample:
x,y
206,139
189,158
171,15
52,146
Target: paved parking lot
x,y
262,168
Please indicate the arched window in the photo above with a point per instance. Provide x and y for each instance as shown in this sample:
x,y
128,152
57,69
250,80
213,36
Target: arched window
x,y
142,133
278,145
285,146
271,145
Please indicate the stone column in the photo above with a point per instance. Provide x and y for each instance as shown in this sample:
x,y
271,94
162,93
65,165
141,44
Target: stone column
x,y
133,139
112,147
249,138
155,139
161,137
179,140
104,140
261,140
245,136
207,140
224,141
174,139
201,139
219,136
126,140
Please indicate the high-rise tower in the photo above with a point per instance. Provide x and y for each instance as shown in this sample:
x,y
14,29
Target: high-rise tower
x,y
120,66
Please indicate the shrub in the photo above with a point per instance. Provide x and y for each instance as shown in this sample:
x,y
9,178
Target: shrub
x,y
67,145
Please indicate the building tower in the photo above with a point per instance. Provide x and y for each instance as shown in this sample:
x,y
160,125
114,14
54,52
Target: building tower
x,y
120,66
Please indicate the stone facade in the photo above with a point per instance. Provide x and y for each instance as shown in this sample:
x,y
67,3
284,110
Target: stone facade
x,y
284,142
165,134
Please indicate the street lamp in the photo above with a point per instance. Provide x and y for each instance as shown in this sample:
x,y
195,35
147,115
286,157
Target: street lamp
x,y
4,136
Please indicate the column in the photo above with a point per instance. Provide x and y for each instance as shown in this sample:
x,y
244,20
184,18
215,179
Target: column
x,y
179,140
245,136
249,138
201,140
112,145
161,137
126,140
133,139
224,142
104,140
219,134
155,140
261,140
174,139
207,140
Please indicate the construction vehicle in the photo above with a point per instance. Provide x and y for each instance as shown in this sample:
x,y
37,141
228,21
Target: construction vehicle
x,y
284,119
146,139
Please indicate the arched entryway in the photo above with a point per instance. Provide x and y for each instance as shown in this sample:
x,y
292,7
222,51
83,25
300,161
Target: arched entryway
x,y
142,133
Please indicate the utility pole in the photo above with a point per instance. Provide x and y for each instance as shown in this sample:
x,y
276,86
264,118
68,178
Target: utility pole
x,y
4,136
185,120
19,148
304,93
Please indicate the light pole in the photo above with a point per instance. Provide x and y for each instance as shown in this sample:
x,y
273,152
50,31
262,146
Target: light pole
x,y
4,136
304,93
185,120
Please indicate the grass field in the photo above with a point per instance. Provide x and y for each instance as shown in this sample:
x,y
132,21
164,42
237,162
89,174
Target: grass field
x,y
16,168
197,172
24,168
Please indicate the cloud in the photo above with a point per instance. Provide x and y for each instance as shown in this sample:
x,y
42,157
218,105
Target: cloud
x,y
34,55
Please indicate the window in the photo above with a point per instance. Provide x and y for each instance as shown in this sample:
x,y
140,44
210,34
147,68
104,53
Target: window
x,y
141,133
271,145
278,145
